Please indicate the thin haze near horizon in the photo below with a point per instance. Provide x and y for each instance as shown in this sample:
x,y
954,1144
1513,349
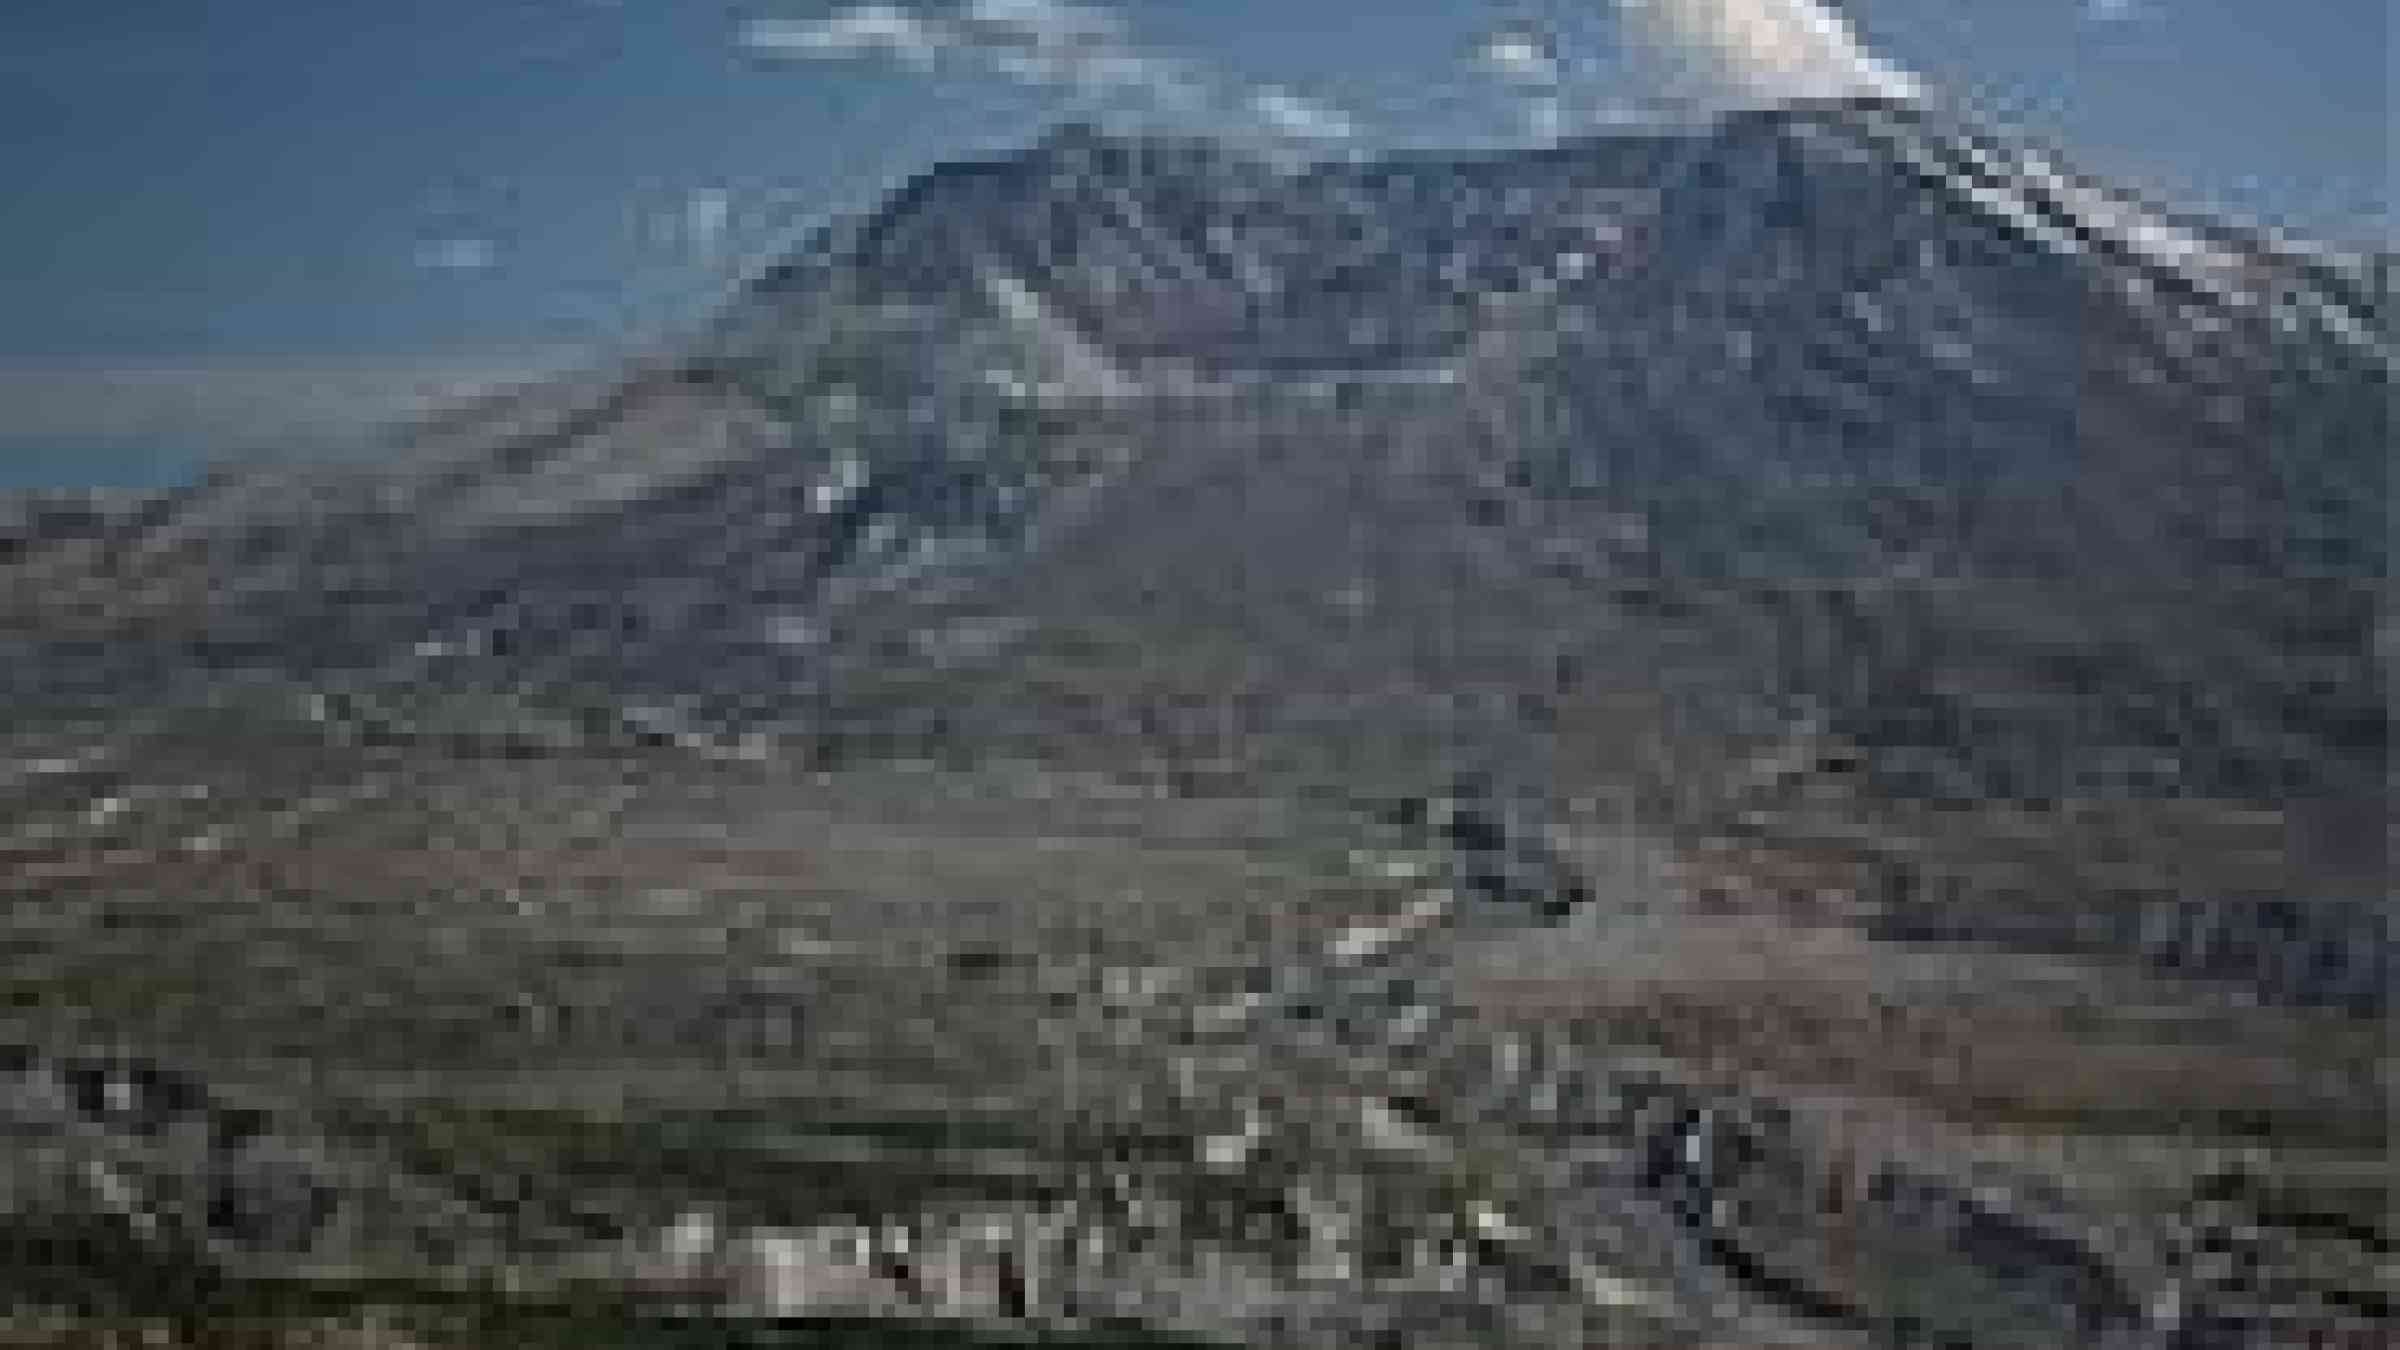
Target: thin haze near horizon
x,y
228,201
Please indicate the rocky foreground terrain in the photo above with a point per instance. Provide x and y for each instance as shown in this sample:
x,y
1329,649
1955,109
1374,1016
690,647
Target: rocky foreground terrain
x,y
1762,737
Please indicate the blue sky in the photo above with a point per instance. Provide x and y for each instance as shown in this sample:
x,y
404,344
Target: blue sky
x,y
449,183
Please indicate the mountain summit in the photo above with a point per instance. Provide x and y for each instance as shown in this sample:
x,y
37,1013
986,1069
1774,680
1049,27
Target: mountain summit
x,y
1848,341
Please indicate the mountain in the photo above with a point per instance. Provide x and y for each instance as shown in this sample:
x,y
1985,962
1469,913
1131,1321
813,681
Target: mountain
x,y
1829,628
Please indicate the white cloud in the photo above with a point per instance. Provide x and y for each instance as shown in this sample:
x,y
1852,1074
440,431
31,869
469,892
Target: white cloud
x,y
2115,11
457,255
1760,51
1044,20
864,30
1519,54
1078,48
